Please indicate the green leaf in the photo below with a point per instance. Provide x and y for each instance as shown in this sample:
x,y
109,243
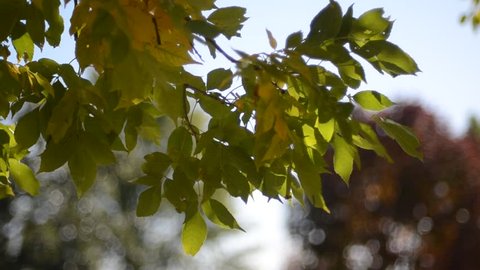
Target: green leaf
x,y
220,79
326,129
170,101
372,100
83,170
24,177
388,57
343,158
310,180
56,154
368,139
219,214
149,201
371,25
194,233
294,39
9,14
62,116
24,47
51,12
229,20
36,25
180,144
6,191
27,130
98,148
236,183
156,164
402,135
326,24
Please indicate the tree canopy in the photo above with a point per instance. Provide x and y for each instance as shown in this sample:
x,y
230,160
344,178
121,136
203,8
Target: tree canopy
x,y
271,116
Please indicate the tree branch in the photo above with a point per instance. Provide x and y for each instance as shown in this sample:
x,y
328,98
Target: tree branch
x,y
218,48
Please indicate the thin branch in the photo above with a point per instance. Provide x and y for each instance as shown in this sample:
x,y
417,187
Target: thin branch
x,y
190,127
220,99
218,48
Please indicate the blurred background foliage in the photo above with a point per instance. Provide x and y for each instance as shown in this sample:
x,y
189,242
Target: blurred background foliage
x,y
56,230
403,215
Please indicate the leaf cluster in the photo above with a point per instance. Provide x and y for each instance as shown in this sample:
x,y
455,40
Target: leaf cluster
x,y
271,135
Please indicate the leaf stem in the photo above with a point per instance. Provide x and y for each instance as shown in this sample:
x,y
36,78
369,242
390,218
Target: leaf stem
x,y
190,126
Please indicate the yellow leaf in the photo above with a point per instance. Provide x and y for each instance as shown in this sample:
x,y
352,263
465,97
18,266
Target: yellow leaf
x,y
271,39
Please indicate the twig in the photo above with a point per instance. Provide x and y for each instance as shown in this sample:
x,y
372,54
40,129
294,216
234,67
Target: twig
x,y
220,99
218,48
191,128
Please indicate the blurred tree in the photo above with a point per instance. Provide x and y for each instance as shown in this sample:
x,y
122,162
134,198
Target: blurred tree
x,y
405,215
56,230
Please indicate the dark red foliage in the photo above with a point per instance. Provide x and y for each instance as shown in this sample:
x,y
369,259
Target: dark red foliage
x,y
405,215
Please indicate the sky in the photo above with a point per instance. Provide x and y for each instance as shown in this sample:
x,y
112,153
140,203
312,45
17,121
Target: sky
x,y
446,52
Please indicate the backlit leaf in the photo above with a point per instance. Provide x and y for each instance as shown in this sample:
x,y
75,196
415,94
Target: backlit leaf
x,y
343,158
326,129
194,233
310,180
24,47
24,177
372,100
229,20
219,214
402,135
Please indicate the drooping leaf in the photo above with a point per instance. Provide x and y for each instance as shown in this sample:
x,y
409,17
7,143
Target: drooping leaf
x,y
402,135
219,214
388,57
368,139
149,201
310,180
180,144
24,47
56,154
343,158
6,191
36,25
27,130
194,233
24,177
326,129
372,100
62,116
10,14
83,170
